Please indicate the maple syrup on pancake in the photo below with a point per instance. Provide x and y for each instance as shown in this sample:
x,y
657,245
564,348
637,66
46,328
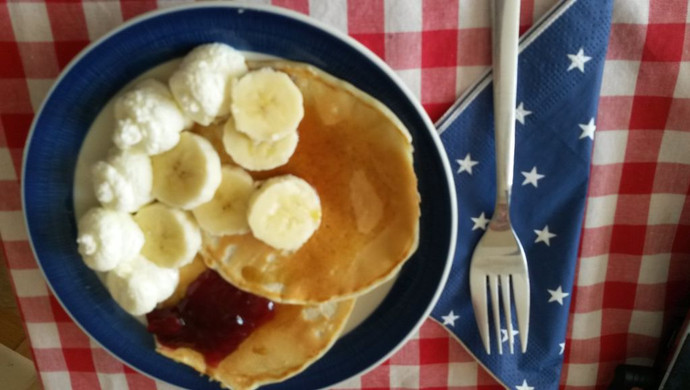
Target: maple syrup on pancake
x,y
359,162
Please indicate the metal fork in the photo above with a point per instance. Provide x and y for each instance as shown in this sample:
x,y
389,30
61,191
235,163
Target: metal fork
x,y
498,262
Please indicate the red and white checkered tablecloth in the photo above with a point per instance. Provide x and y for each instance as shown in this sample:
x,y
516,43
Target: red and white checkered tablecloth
x,y
634,268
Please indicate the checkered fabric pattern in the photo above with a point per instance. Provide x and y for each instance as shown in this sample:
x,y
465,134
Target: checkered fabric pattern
x,y
635,251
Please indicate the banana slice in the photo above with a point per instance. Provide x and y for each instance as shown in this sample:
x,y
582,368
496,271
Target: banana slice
x,y
172,236
226,213
256,155
266,105
284,212
187,175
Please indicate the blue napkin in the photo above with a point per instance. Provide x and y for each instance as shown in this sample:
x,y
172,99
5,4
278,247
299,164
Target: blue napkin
x,y
559,78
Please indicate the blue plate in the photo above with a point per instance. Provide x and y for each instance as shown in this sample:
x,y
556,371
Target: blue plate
x,y
108,64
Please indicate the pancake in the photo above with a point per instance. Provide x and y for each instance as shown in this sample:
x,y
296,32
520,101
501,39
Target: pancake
x,y
358,157
278,349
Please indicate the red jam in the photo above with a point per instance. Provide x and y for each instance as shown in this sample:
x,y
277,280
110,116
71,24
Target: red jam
x,y
213,318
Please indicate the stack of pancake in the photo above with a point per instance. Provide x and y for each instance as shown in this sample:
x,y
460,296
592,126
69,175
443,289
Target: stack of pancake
x,y
358,157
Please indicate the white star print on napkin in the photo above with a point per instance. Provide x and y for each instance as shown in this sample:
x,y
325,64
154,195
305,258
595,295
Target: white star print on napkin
x,y
524,386
588,129
466,164
532,177
480,222
521,113
544,236
557,295
578,60
450,318
504,335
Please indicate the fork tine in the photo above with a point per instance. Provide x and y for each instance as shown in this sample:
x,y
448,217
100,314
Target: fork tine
x,y
521,294
493,286
505,290
481,308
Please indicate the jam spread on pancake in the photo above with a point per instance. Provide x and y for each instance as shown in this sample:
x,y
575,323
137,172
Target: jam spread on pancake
x,y
213,318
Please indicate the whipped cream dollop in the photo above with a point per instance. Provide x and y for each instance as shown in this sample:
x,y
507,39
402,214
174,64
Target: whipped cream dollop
x,y
148,119
108,237
138,285
203,81
123,182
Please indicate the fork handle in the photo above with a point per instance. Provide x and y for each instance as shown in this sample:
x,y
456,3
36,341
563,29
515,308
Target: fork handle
x,y
506,20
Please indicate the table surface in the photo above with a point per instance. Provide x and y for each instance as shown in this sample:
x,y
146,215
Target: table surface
x,y
634,267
